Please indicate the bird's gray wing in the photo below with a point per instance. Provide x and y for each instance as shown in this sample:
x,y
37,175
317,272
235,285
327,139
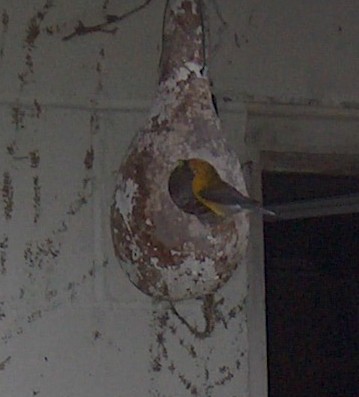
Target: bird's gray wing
x,y
231,197
226,195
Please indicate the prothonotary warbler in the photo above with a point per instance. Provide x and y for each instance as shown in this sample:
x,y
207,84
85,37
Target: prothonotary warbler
x,y
215,194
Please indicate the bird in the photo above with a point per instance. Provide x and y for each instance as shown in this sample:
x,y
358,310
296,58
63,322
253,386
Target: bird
x,y
180,190
197,188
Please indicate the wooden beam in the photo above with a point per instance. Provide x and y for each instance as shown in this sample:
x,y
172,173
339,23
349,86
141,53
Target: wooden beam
x,y
346,204
327,164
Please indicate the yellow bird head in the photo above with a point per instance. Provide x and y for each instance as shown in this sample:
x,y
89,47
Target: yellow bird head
x,y
201,168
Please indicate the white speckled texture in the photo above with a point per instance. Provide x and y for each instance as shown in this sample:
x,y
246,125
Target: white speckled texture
x,y
167,253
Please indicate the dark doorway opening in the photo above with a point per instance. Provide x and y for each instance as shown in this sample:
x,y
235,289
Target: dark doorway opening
x,y
312,294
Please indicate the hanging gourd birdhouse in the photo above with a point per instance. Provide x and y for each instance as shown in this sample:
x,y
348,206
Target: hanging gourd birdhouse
x,y
170,243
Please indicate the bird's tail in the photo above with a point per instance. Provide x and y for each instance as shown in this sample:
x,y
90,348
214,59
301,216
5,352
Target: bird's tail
x,y
265,211
257,208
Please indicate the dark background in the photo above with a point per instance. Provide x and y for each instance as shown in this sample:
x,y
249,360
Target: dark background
x,y
312,291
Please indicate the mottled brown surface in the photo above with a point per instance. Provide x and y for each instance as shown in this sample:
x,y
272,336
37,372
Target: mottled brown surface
x,y
166,251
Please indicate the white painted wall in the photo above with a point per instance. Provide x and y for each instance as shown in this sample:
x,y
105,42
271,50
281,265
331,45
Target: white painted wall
x,y
70,322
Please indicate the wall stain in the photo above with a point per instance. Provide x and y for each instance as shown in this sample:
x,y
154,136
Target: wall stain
x,y
8,195
5,24
7,336
72,287
160,339
77,204
81,29
33,28
12,148
62,228
5,21
37,198
34,157
94,123
187,384
210,313
91,272
35,315
96,335
32,33
86,192
227,375
189,347
4,363
50,294
157,350
3,254
38,108
52,29
166,328
105,5
99,69
40,256
89,158
82,197
156,365
37,253
17,116
2,312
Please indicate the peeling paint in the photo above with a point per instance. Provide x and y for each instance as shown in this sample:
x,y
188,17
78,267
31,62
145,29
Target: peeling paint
x,y
125,199
171,90
180,7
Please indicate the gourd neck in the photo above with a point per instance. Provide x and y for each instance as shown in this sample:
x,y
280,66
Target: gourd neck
x,y
184,44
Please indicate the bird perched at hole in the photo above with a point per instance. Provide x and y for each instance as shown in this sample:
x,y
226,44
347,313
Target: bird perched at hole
x,y
204,191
